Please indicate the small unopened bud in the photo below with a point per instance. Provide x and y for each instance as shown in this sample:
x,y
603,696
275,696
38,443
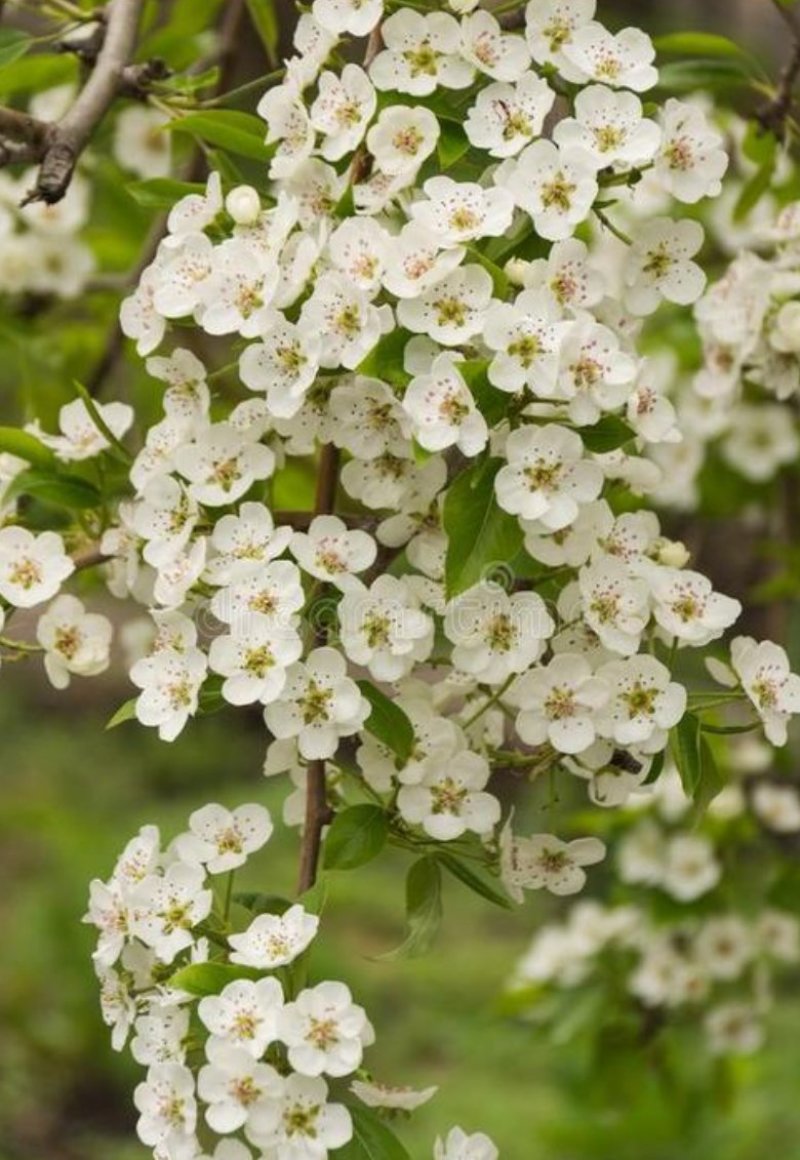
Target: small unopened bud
x,y
243,204
786,332
672,553
515,270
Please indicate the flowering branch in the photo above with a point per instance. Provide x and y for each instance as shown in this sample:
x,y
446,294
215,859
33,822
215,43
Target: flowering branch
x,y
65,141
317,812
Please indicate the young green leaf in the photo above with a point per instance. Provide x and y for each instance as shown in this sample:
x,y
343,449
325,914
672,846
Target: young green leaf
x,y
708,44
265,22
13,45
210,978
453,144
606,435
372,1138
685,746
491,403
126,712
262,903
25,446
51,487
480,534
423,908
488,888
385,361
357,835
388,722
161,192
236,132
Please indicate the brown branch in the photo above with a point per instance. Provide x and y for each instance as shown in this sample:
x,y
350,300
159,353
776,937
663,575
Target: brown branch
x,y
772,117
89,558
511,21
361,166
317,812
67,139
226,57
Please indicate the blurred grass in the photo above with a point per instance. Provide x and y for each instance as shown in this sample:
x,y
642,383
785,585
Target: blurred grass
x,y
70,795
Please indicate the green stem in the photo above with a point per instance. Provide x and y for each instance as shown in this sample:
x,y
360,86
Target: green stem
x,y
228,895
602,216
244,90
491,701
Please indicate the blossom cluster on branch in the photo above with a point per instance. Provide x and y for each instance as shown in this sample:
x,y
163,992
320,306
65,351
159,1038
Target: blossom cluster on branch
x,y
413,305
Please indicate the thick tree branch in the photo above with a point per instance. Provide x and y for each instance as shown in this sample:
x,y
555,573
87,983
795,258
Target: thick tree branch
x,y
317,811
66,140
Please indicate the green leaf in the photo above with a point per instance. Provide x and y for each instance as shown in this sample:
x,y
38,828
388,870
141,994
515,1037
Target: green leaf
x,y
265,22
315,899
357,835
258,903
755,188
126,712
712,782
388,722
372,1138
13,45
758,143
478,882
385,360
685,746
480,534
236,132
452,145
699,773
656,768
491,403
25,446
161,192
697,44
36,73
685,76
211,699
67,491
500,282
115,445
211,978
606,435
346,205
423,909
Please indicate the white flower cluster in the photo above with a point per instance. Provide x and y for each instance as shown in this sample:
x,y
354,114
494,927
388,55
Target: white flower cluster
x,y
242,1051
722,963
750,325
364,295
41,250
383,332
693,955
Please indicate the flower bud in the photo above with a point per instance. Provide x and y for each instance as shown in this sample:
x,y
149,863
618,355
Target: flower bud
x,y
672,553
243,204
786,331
515,270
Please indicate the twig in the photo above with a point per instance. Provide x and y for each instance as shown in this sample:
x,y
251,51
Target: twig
x,y
67,139
361,166
228,39
772,117
317,811
89,558
511,21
